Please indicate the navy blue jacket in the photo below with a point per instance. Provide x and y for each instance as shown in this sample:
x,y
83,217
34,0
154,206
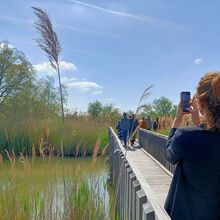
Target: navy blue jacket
x,y
195,189
133,124
125,124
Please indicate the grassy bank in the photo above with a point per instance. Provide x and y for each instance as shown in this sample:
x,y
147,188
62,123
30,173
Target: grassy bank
x,y
79,136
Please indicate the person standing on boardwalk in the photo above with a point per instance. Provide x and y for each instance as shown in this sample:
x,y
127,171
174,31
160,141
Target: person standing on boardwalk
x,y
194,192
124,126
132,129
149,123
156,124
142,123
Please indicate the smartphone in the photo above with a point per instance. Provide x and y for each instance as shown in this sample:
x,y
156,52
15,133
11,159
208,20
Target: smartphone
x,y
185,99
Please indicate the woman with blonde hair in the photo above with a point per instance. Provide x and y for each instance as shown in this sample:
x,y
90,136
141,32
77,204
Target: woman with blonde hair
x,y
195,189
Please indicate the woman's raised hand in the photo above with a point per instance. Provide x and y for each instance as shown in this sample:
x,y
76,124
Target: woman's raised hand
x,y
194,111
179,116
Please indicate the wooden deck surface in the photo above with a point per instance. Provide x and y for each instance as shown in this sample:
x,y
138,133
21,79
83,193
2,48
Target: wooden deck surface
x,y
157,177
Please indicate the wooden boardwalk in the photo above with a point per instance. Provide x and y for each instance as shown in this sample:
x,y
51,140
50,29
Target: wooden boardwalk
x,y
157,177
140,181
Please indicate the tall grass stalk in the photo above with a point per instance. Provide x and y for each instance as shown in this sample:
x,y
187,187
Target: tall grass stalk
x,y
95,151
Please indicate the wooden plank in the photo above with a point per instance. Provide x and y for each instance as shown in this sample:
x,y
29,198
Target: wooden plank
x,y
158,180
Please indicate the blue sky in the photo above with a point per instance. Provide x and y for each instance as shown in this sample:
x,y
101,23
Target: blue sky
x,y
112,50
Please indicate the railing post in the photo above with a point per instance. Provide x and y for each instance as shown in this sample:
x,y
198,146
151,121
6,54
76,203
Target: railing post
x,y
127,179
126,166
148,212
140,200
135,187
132,178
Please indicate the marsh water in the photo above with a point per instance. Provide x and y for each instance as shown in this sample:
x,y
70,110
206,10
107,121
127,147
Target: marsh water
x,y
55,189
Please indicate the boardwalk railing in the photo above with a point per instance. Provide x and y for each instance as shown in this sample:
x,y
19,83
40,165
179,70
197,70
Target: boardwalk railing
x,y
155,145
134,198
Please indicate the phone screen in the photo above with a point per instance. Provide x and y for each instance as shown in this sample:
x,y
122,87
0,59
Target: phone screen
x,y
185,99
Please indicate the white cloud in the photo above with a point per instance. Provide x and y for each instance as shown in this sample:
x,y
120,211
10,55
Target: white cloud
x,y
45,67
97,92
67,66
70,82
2,45
66,80
83,85
198,61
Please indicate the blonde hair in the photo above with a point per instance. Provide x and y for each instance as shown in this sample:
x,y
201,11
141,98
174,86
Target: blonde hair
x,y
208,91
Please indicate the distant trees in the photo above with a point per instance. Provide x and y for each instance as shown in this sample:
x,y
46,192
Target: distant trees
x,y
15,71
96,109
130,112
110,112
173,111
21,93
160,107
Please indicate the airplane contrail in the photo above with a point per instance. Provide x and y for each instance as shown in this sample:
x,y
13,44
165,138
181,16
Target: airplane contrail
x,y
119,13
148,19
68,27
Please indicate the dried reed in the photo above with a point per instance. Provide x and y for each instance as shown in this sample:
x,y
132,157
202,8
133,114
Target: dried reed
x,y
42,148
96,151
12,159
104,151
77,148
26,164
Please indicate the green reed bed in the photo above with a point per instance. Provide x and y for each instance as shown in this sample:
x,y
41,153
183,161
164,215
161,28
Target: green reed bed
x,y
79,136
54,189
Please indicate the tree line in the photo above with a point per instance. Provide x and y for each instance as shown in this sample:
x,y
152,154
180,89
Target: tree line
x,y
22,94
158,108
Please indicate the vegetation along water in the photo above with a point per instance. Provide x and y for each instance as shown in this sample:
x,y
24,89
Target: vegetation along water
x,y
34,188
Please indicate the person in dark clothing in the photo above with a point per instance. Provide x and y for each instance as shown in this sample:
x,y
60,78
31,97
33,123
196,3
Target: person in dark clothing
x,y
124,126
149,123
132,129
119,130
194,192
156,124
